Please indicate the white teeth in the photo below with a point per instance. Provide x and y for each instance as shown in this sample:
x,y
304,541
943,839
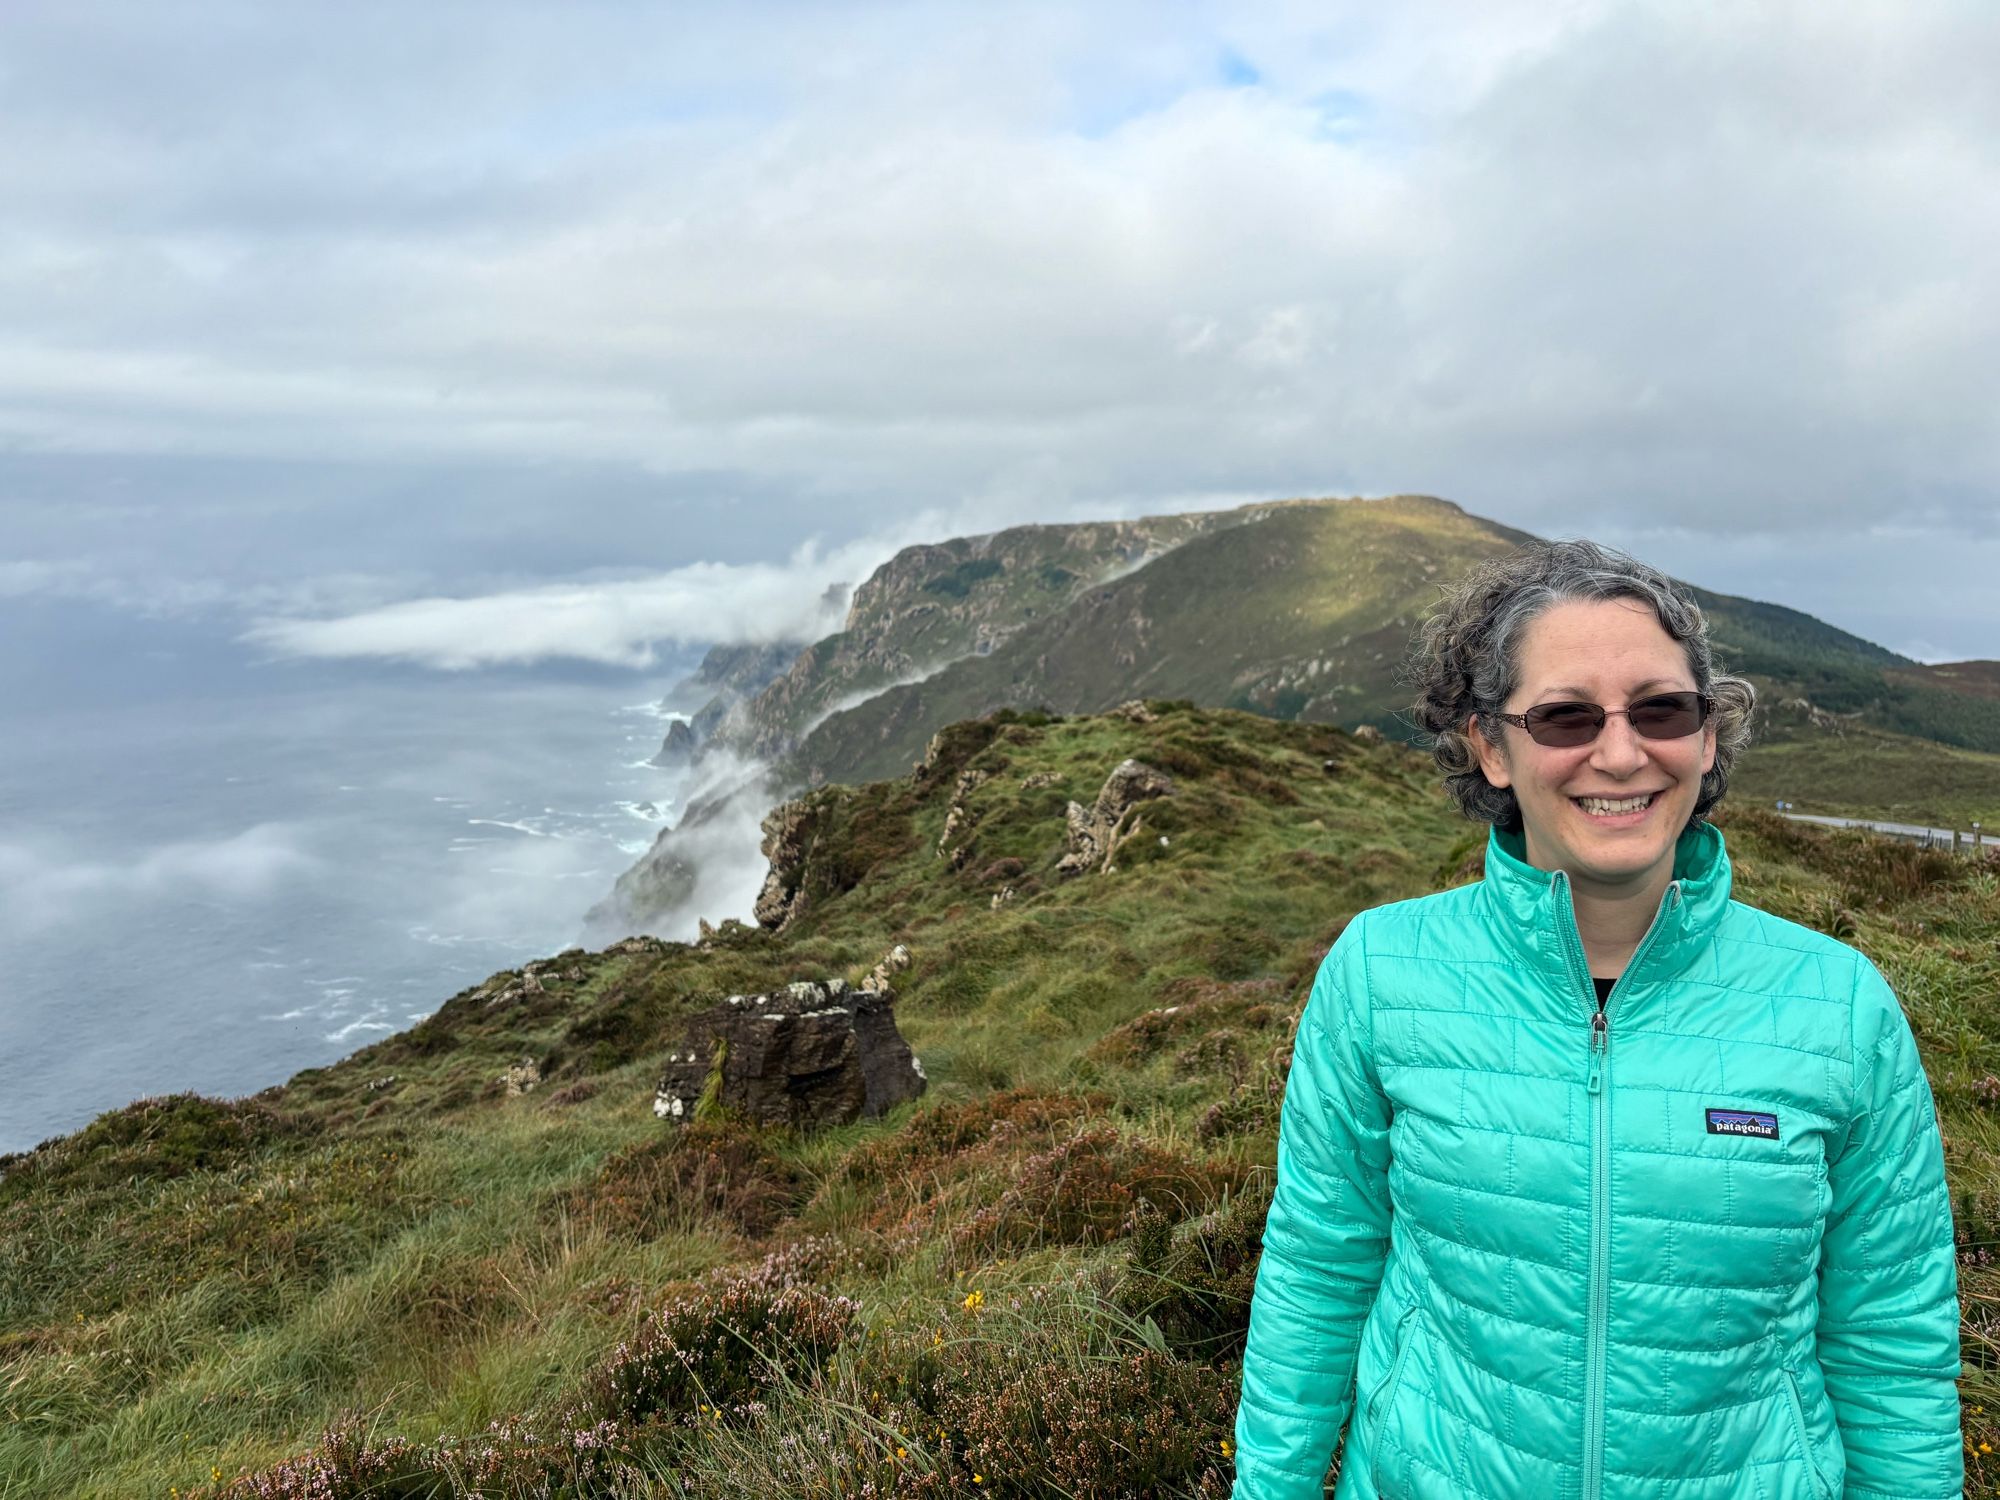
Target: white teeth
x,y
1600,806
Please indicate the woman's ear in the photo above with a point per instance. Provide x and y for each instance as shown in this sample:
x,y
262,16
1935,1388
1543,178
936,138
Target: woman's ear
x,y
1491,761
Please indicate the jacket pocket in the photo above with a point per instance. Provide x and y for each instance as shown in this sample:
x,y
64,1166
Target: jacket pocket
x,y
1382,1400
1799,1438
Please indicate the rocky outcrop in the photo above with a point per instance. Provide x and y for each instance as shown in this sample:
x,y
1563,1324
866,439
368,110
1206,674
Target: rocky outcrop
x,y
511,988
806,1056
957,819
1097,833
789,830
893,962
677,749
1819,718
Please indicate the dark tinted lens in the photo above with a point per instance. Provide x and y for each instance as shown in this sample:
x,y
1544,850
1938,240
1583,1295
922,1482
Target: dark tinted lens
x,y
1668,716
1564,723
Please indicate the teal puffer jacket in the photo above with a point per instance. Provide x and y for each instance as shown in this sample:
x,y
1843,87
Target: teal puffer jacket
x,y
1702,1253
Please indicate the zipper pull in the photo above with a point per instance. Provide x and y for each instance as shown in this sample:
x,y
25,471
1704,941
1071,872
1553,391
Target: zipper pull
x,y
1600,1043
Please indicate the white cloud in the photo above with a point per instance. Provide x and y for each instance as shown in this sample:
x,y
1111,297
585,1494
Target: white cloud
x,y
43,884
1599,265
616,623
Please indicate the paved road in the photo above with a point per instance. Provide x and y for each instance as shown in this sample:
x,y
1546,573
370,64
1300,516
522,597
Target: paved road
x,y
1904,830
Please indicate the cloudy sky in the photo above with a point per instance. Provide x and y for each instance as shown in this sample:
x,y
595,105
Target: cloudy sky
x,y
486,333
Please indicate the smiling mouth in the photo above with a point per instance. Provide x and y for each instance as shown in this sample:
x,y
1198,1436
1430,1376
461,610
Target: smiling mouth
x,y
1612,807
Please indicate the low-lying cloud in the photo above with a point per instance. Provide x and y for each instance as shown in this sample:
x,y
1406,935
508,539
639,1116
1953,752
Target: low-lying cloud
x,y
43,884
620,622
616,623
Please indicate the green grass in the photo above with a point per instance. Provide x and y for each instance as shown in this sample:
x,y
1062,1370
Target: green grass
x,y
394,1243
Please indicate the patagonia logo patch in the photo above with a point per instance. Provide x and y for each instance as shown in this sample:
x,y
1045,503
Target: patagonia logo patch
x,y
1742,1122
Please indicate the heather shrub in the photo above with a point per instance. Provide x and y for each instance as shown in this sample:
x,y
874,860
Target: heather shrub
x,y
1195,1279
719,1346
508,1459
1140,1426
343,1466
1219,1053
1245,1112
1254,1101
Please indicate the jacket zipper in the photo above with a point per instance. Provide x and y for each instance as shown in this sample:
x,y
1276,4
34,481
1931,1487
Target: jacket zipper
x,y
1383,1399
1600,1167
1799,1425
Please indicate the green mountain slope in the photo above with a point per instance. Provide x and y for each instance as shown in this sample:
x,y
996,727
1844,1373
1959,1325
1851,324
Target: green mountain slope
x,y
1303,614
1308,613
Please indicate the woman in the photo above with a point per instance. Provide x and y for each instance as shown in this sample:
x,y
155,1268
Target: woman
x,y
1593,1183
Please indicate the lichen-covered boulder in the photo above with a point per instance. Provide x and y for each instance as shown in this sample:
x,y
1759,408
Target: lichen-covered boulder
x,y
806,1056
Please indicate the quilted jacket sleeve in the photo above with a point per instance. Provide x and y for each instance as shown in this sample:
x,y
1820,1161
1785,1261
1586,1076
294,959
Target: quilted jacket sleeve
x,y
1888,1285
1324,1243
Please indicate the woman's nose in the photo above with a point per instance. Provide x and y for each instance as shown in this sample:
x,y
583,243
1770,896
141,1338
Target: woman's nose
x,y
1618,749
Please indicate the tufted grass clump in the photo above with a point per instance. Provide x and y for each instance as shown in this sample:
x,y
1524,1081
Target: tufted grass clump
x,y
1089,1189
159,1138
1194,1279
722,1166
1192,1008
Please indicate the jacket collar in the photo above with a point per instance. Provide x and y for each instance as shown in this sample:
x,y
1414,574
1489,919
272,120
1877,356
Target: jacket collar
x,y
1533,910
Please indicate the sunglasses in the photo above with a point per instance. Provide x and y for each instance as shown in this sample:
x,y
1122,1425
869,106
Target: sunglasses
x,y
1666,716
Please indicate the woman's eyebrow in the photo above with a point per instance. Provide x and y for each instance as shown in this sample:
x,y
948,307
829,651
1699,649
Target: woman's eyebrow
x,y
1577,692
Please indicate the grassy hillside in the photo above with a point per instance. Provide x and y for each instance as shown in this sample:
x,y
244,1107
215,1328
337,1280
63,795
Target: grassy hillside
x,y
398,1276
1857,771
1306,613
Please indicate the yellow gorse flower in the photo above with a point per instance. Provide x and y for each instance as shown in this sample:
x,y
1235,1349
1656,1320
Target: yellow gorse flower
x,y
974,1301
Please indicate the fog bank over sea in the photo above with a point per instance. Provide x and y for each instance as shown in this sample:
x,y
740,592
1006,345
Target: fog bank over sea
x,y
217,869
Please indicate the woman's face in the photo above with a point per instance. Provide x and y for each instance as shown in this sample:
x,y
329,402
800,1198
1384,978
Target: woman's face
x,y
1611,652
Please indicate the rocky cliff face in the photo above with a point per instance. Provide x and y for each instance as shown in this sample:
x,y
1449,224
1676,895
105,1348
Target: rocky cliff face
x,y
729,675
934,604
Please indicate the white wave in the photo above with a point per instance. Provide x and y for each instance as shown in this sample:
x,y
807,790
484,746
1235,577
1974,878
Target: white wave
x,y
356,1026
503,823
655,710
647,812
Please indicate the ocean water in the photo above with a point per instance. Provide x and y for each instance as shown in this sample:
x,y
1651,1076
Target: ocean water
x,y
216,871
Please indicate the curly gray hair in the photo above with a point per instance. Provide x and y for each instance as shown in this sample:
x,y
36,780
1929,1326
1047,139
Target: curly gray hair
x,y
1465,660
